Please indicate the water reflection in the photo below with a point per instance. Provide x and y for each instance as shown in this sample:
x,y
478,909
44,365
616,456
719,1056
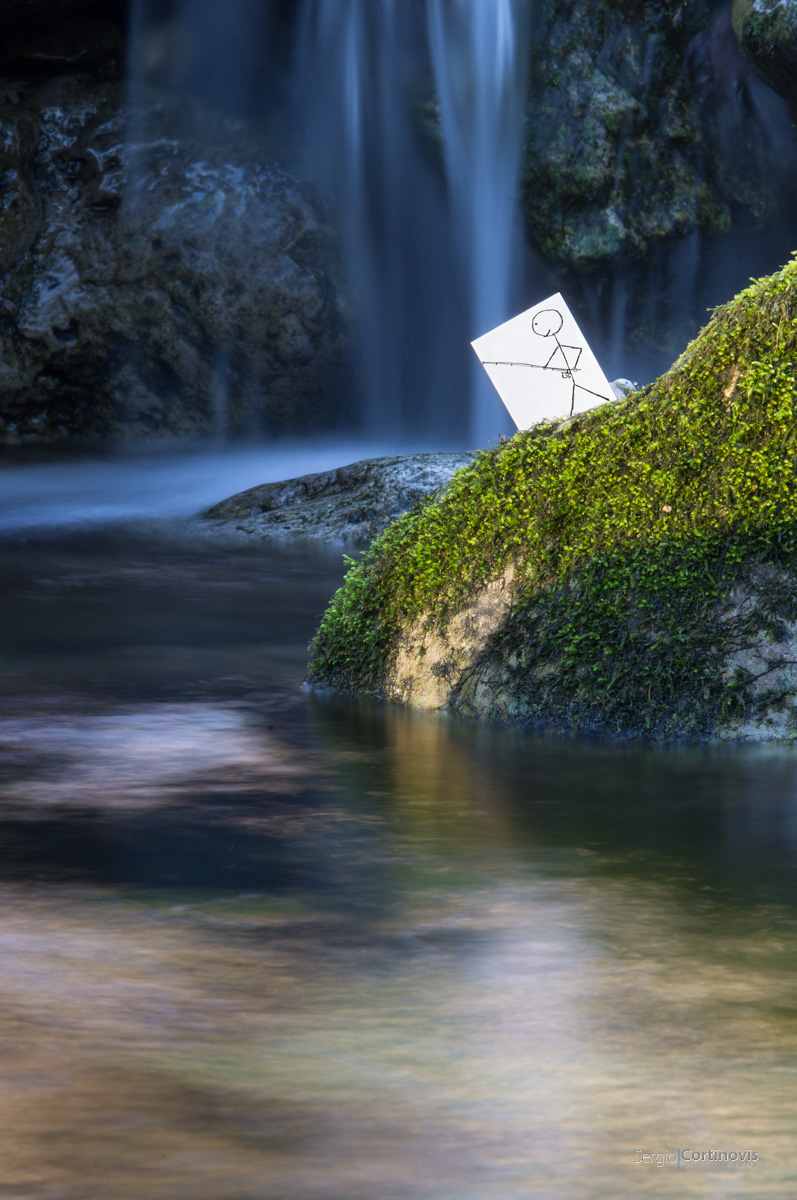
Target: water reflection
x,y
256,944
142,759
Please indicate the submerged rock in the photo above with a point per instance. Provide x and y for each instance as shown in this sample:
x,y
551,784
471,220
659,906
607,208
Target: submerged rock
x,y
354,503
633,572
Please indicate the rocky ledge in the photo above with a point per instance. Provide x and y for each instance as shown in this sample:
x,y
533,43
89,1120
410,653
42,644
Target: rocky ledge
x,y
349,504
632,572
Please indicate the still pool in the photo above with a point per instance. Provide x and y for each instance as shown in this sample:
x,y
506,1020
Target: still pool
x,y
262,945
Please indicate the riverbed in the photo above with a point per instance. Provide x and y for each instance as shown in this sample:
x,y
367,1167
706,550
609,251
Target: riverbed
x,y
258,943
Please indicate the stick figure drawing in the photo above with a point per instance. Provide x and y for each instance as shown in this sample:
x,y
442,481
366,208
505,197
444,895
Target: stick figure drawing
x,y
545,339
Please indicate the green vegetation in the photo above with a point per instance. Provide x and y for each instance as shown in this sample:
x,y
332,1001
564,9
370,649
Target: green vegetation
x,y
651,538
621,151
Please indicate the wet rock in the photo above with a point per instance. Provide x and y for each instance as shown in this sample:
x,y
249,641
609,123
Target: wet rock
x,y
643,125
623,387
768,33
353,503
20,201
74,45
159,285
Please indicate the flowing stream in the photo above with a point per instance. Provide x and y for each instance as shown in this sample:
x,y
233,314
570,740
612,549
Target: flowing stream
x,y
264,944
260,944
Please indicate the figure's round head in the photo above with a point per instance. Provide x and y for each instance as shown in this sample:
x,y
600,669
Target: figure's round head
x,y
547,322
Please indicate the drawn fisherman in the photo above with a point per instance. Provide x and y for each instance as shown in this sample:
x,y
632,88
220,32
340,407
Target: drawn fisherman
x,y
563,359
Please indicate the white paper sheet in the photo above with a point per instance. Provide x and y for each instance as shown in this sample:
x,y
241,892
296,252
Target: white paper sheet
x,y
541,366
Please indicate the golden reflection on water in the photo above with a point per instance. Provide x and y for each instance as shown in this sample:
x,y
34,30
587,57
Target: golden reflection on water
x,y
506,1039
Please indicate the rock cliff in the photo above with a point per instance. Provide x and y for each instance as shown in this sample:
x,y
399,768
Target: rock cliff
x,y
158,275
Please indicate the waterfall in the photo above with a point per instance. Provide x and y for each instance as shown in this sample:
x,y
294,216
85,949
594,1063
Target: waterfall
x,y
409,115
429,268
360,89
479,51
203,84
191,48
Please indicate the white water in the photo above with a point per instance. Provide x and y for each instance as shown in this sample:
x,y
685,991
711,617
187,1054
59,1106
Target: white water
x,y
480,54
428,271
96,492
360,80
430,250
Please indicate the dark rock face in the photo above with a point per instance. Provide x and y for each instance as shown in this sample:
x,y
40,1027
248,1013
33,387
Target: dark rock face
x,y
769,39
30,13
353,504
168,288
644,125
158,275
20,200
47,37
77,44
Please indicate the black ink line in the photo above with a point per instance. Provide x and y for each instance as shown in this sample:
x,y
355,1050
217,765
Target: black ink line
x,y
564,371
568,374
581,388
564,356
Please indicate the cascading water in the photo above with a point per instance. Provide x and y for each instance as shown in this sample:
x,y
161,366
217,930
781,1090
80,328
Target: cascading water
x,y
430,245
250,338
360,76
182,51
479,51
409,114
429,271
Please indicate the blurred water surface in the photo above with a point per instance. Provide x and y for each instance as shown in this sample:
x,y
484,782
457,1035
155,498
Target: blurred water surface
x,y
259,944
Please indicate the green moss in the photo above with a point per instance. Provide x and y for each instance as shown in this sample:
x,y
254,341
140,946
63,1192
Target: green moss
x,y
622,146
631,530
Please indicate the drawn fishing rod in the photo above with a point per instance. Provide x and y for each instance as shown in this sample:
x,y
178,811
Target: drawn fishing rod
x,y
564,371
566,374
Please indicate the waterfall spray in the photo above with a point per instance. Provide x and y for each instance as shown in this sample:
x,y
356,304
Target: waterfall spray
x,y
429,247
427,271
361,63
479,53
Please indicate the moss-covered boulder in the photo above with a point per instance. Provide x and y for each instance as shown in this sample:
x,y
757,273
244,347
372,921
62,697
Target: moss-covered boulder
x,y
632,572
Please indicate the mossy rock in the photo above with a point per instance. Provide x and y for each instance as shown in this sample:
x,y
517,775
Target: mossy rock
x,y
769,39
643,125
631,572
